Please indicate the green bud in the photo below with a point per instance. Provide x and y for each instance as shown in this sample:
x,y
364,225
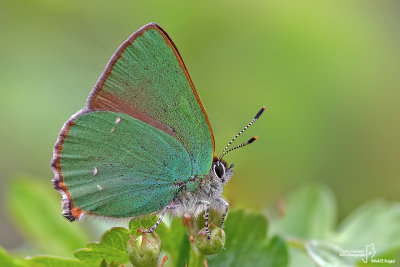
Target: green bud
x,y
144,249
212,246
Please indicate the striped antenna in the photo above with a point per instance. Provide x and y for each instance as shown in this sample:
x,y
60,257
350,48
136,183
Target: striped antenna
x,y
244,129
242,145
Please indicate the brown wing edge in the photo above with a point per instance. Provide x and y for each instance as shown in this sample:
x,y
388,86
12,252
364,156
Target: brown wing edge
x,y
103,77
70,212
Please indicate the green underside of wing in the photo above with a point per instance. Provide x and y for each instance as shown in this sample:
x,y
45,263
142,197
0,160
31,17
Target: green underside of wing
x,y
121,169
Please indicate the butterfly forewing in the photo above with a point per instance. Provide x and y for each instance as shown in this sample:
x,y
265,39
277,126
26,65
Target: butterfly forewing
x,y
147,79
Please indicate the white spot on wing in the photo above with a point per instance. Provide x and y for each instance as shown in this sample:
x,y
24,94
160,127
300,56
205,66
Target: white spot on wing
x,y
95,171
99,187
117,120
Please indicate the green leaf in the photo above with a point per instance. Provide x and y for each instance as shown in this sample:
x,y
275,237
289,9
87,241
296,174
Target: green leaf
x,y
56,262
326,254
247,243
7,260
375,222
112,247
35,210
276,253
310,213
113,243
298,258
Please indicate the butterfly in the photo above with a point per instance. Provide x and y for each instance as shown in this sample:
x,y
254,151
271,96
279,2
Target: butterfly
x,y
143,144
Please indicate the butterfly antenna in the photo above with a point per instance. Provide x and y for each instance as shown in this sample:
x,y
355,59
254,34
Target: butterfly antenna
x,y
244,129
239,146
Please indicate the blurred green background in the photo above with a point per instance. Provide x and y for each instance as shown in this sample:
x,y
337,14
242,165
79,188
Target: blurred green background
x,y
328,72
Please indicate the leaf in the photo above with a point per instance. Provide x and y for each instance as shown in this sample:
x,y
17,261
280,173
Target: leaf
x,y
310,213
326,254
298,258
112,247
7,260
113,243
35,209
247,243
56,262
376,222
277,254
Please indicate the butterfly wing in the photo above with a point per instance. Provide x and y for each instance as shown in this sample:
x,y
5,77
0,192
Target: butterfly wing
x,y
111,164
147,79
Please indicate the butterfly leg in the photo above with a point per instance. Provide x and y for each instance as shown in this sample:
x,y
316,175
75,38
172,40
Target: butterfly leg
x,y
206,215
160,218
226,204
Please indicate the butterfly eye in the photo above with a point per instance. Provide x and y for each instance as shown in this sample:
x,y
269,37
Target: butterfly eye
x,y
219,170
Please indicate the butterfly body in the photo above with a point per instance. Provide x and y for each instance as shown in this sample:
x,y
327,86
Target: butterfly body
x,y
209,191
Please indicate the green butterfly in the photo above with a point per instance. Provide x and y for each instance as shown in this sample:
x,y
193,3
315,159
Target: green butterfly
x,y
144,143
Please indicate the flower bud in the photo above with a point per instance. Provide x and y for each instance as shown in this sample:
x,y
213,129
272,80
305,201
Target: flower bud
x,y
214,244
144,249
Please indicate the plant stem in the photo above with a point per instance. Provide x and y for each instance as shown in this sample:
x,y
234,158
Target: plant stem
x,y
196,259
295,243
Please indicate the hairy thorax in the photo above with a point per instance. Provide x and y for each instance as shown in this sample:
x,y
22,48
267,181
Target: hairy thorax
x,y
209,192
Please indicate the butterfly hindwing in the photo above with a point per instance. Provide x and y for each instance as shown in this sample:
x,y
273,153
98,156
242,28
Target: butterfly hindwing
x,y
147,79
111,164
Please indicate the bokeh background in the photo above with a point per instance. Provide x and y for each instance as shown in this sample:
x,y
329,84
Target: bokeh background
x,y
328,72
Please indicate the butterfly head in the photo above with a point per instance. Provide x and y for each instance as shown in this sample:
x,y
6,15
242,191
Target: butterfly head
x,y
221,171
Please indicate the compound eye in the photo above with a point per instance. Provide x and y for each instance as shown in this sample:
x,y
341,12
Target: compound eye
x,y
219,170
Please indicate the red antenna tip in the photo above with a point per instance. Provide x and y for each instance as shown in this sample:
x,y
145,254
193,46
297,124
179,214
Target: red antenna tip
x,y
252,139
